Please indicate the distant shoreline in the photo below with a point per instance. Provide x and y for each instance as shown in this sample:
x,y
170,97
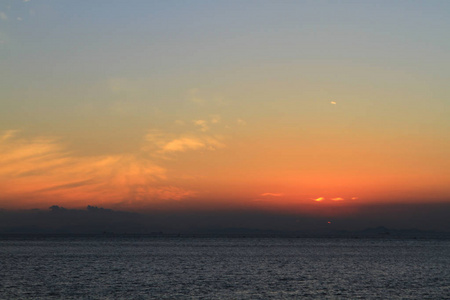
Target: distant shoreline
x,y
343,235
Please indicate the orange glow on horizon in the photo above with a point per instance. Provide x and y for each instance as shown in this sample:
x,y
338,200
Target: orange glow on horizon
x,y
39,172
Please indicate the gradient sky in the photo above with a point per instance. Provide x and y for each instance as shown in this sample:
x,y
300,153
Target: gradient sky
x,y
185,105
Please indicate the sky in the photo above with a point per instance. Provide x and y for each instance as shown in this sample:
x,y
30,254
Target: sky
x,y
318,107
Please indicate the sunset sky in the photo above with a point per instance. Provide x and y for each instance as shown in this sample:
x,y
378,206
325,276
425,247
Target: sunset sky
x,y
190,105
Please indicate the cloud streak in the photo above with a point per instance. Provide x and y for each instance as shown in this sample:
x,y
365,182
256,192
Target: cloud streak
x,y
337,199
272,194
183,144
164,143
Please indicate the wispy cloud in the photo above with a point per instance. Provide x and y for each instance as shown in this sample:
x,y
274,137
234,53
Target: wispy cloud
x,y
205,125
337,199
183,144
272,194
8,134
69,185
161,143
202,124
319,199
42,167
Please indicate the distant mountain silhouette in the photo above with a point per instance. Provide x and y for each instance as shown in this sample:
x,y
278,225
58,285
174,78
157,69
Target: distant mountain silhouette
x,y
99,221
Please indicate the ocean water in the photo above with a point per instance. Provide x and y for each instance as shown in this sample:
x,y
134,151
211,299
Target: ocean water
x,y
223,268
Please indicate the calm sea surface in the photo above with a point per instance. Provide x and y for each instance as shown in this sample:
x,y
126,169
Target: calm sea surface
x,y
224,268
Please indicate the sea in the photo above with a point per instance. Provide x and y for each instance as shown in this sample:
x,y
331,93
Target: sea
x,y
141,267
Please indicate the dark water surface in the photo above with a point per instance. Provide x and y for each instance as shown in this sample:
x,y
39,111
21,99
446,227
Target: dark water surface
x,y
224,268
